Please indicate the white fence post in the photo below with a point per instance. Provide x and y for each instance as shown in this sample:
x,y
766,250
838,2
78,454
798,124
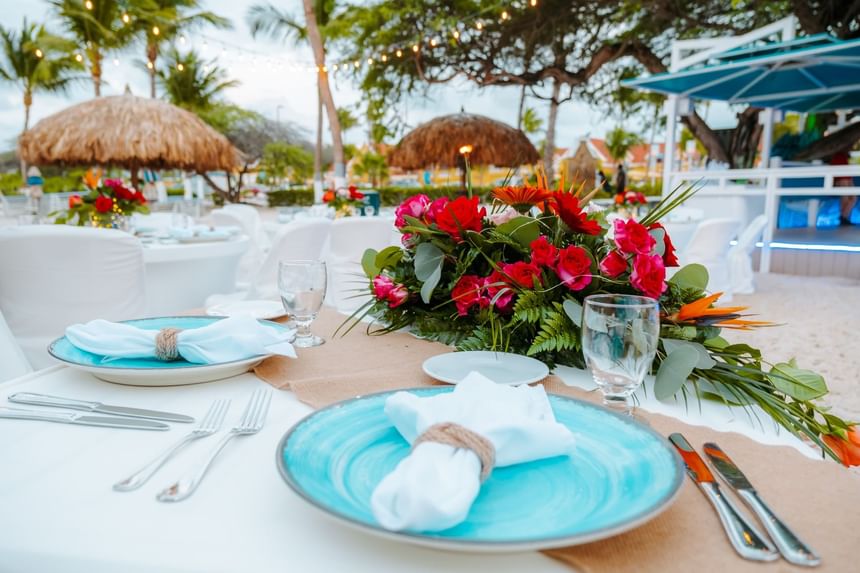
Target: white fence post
x,y
771,211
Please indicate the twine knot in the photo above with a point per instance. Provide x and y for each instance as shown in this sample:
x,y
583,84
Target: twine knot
x,y
458,436
165,344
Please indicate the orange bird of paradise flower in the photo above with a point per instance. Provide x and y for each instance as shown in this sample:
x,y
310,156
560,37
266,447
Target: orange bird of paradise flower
x,y
92,177
702,312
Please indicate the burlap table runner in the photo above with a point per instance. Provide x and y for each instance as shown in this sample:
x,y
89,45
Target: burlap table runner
x,y
820,500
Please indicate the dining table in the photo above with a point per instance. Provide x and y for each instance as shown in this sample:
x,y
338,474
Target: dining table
x,y
182,274
61,514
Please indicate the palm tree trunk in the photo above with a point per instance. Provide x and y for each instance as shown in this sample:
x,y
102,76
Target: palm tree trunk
x,y
549,144
28,101
316,41
96,71
151,56
318,178
522,105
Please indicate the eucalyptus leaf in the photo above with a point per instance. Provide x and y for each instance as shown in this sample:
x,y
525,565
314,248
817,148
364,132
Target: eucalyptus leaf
x,y
388,257
796,382
660,244
573,310
674,371
523,230
428,257
368,263
705,361
693,276
430,284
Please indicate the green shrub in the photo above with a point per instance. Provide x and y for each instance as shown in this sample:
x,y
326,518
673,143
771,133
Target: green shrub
x,y
388,196
10,183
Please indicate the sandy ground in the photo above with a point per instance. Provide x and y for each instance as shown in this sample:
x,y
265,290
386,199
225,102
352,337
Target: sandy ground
x,y
820,318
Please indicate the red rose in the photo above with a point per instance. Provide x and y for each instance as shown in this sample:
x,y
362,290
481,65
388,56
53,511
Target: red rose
x,y
648,275
138,196
354,193
641,198
74,201
544,253
633,238
460,215
467,293
574,267
613,264
522,274
495,283
669,258
103,204
566,206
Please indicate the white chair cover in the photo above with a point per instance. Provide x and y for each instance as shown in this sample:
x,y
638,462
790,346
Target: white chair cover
x,y
52,276
740,257
13,363
348,239
252,223
161,192
709,247
253,257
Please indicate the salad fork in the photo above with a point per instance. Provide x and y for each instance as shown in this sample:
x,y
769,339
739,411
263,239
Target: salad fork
x,y
251,423
210,424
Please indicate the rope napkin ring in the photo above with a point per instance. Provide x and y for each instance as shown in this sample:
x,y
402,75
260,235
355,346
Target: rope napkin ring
x,y
458,436
165,344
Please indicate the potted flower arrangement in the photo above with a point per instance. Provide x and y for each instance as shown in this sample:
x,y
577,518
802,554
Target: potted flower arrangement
x,y
344,201
629,204
514,279
108,204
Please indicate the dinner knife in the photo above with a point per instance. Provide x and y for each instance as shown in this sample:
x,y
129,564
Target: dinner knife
x,y
97,407
747,541
791,547
82,419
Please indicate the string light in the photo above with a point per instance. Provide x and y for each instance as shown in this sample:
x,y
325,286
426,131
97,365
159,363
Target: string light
x,y
155,31
182,39
126,18
505,15
433,42
39,53
456,34
88,4
149,65
356,64
180,67
479,26
369,61
533,3
384,58
334,67
415,48
399,53
325,69
79,58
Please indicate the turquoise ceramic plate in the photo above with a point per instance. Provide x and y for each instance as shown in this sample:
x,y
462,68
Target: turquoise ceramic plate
x,y
621,475
149,371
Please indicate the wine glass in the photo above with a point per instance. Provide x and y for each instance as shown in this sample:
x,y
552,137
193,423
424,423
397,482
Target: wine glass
x,y
302,286
619,340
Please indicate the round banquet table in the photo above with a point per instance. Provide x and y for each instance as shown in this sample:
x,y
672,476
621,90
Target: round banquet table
x,y
180,276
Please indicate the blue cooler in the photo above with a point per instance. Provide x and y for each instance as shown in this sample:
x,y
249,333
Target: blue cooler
x,y
371,204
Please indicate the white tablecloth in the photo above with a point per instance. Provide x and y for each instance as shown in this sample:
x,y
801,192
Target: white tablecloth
x,y
180,276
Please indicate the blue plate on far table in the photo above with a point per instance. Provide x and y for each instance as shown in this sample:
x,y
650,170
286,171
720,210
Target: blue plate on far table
x,y
621,475
150,371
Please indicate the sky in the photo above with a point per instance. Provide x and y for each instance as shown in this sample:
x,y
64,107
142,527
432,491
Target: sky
x,y
274,81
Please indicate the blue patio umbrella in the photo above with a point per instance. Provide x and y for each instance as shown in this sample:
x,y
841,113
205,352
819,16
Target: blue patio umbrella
x,y
814,73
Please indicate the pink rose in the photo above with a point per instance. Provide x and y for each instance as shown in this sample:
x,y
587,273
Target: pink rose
x,y
613,264
633,238
397,296
436,207
504,216
574,267
412,207
382,286
544,253
495,283
648,275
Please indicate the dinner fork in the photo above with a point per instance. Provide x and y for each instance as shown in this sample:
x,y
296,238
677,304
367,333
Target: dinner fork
x,y
210,424
251,423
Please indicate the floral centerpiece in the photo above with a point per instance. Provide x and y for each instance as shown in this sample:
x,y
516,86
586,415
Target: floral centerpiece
x,y
108,204
514,279
344,201
629,203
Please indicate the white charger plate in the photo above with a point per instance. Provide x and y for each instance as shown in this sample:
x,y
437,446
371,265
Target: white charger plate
x,y
500,367
259,309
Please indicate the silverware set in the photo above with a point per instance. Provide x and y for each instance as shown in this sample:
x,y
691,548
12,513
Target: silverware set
x,y
104,415
746,539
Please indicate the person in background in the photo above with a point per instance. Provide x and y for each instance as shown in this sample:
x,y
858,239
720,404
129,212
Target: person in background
x,y
603,182
620,180
847,202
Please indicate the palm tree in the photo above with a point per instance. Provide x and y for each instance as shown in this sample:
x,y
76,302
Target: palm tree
x,y
191,83
269,20
162,21
373,165
97,27
619,142
531,123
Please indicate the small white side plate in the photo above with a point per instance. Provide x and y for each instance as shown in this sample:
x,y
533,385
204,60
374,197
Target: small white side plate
x,y
259,309
501,367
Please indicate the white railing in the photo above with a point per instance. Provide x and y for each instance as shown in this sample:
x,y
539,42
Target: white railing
x,y
769,184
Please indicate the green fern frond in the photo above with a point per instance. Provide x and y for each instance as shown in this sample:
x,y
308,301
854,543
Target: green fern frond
x,y
556,332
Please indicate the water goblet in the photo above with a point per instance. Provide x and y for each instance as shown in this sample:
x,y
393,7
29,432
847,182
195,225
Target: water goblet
x,y
619,341
302,286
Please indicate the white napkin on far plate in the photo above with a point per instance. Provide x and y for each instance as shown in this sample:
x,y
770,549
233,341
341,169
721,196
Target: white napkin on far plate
x,y
434,487
227,340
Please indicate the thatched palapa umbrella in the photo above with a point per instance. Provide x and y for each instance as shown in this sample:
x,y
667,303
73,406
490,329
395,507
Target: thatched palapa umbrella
x,y
445,140
582,167
130,132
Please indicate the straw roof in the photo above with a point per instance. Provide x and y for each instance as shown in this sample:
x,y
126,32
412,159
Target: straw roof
x,y
437,143
127,131
581,168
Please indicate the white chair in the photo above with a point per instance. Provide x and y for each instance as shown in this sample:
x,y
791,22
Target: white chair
x,y
52,276
253,257
252,223
740,257
348,239
13,363
301,240
709,246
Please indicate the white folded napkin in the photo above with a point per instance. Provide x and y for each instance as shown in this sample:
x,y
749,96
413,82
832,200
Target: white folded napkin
x,y
434,487
234,338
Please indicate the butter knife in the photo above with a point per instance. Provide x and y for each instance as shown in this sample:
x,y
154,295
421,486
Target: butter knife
x,y
81,419
96,407
747,541
791,547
